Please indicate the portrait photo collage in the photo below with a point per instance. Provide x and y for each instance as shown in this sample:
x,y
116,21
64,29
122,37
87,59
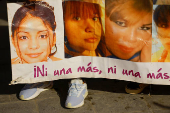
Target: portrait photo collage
x,y
55,30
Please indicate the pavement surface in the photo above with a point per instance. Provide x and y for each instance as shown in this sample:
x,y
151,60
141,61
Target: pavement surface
x,y
105,96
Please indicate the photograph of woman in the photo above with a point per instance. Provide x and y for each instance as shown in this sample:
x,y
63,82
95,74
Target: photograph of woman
x,y
83,29
33,33
128,33
161,23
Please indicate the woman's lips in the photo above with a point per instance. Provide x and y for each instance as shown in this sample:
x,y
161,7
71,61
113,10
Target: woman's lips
x,y
126,49
91,40
34,55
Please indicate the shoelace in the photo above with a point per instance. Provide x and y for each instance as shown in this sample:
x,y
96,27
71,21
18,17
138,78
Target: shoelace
x,y
75,89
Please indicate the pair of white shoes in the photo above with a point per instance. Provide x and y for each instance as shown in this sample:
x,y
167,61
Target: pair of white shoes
x,y
76,94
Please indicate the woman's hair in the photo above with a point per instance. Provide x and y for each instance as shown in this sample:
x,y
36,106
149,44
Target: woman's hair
x,y
37,9
161,16
80,9
113,7
154,1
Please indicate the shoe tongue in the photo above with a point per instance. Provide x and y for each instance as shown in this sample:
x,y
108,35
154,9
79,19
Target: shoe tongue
x,y
77,81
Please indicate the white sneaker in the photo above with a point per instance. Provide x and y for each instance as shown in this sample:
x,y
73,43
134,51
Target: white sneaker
x,y
76,94
31,91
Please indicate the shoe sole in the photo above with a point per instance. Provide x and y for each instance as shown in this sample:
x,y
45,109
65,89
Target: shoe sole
x,y
81,104
130,91
38,92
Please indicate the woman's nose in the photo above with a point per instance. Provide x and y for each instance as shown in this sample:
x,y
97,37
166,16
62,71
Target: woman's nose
x,y
34,44
89,23
130,35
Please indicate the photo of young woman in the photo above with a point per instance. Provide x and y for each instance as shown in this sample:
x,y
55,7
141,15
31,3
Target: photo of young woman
x,y
33,33
128,26
128,29
161,18
83,29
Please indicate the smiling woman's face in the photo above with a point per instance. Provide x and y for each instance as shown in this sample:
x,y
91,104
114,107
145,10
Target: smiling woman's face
x,y
33,40
126,34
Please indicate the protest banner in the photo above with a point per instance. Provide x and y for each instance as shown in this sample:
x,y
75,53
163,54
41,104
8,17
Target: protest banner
x,y
114,39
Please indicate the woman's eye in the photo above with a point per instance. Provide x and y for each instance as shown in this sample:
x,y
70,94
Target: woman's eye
x,y
95,19
43,36
122,24
23,37
145,28
77,18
